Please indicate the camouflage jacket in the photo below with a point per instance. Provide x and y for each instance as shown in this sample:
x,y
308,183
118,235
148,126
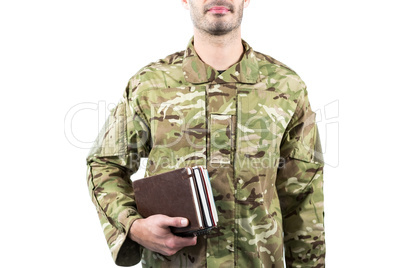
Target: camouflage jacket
x,y
254,130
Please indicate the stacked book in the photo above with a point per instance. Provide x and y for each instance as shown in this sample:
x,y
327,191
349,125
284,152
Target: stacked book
x,y
184,192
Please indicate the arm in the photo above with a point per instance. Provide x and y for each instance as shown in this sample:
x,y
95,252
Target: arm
x,y
300,190
115,156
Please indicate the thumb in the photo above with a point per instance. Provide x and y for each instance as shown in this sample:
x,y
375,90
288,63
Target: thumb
x,y
175,222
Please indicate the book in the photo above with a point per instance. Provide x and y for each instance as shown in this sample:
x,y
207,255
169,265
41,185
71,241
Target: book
x,y
184,192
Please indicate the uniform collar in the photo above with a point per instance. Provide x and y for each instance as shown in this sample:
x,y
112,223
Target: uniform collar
x,y
197,72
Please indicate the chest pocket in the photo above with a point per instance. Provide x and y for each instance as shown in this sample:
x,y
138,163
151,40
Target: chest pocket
x,y
222,122
222,138
262,121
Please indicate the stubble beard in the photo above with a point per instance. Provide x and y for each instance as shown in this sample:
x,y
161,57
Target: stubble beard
x,y
217,27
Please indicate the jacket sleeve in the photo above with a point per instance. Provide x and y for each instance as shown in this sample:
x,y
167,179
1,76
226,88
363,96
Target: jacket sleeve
x,y
300,189
114,157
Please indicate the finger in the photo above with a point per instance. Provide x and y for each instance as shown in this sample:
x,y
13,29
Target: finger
x,y
176,242
186,241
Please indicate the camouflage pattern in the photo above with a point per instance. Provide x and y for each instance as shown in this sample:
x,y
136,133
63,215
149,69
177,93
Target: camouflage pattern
x,y
254,130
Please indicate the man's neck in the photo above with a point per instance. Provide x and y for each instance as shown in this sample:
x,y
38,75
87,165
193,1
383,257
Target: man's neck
x,y
220,52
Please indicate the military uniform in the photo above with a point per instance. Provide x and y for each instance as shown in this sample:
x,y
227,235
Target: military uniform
x,y
254,130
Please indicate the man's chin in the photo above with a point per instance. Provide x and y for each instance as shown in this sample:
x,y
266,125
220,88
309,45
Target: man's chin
x,y
218,32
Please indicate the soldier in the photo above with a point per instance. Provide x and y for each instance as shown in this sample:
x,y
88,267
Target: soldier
x,y
245,117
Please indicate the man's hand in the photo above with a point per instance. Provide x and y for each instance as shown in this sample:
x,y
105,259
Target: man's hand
x,y
154,234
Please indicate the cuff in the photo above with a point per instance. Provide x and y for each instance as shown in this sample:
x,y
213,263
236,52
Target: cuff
x,y
126,252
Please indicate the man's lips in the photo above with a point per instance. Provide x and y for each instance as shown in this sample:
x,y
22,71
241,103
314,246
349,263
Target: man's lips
x,y
219,10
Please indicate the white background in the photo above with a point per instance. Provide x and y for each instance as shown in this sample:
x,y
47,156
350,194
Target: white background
x,y
63,63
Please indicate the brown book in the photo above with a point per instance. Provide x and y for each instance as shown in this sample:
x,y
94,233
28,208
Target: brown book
x,y
184,192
